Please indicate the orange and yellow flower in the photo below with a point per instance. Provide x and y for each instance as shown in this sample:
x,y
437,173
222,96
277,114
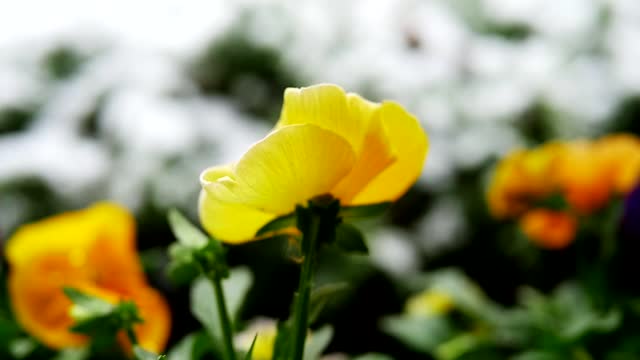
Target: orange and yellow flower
x,y
326,142
92,250
585,173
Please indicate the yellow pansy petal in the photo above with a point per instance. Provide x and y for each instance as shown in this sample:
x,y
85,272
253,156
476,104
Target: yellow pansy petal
x,y
154,331
377,157
290,166
41,307
410,144
329,107
230,222
72,233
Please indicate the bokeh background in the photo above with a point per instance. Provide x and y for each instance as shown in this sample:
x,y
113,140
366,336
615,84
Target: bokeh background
x,y
130,101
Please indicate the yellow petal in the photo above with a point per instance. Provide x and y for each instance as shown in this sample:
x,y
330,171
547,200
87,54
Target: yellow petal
x,y
329,107
354,119
277,173
154,332
409,143
288,167
72,233
230,222
375,158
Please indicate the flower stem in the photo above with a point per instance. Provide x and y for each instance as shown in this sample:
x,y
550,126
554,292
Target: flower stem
x,y
318,224
225,322
301,308
133,339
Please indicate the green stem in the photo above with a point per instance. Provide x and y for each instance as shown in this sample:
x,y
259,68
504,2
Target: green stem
x,y
132,335
225,322
301,307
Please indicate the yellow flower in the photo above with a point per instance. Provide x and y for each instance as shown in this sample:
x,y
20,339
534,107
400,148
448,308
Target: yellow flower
x,y
621,152
585,176
549,229
326,142
92,250
429,303
522,177
266,331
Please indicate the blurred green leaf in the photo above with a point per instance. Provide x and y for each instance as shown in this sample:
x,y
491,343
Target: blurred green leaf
x,y
98,318
186,233
204,304
317,343
568,313
350,239
421,333
458,346
537,355
73,354
142,354
191,347
320,296
373,356
86,307
183,268
467,296
249,354
363,211
22,347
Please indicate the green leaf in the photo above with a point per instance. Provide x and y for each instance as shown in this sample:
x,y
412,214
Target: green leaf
x,y
467,296
98,318
142,354
362,211
282,343
22,347
317,343
191,347
373,356
421,333
186,233
183,268
350,239
279,223
204,304
321,295
459,346
86,306
538,355
73,354
568,313
249,354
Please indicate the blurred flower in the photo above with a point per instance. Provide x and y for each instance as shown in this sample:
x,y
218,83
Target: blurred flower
x,y
92,250
584,175
549,229
428,303
590,172
522,177
266,332
326,142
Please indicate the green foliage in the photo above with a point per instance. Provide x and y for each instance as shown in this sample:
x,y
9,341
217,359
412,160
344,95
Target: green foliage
x,y
96,317
350,239
142,354
320,296
249,354
204,303
192,347
317,343
195,253
555,326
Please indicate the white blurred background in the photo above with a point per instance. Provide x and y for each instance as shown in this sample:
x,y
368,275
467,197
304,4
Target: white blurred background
x,y
129,101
